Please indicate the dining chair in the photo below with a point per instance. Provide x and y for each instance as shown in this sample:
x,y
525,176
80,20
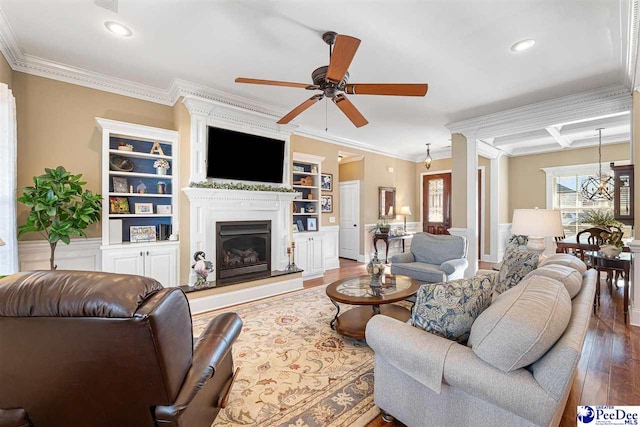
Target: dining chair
x,y
598,236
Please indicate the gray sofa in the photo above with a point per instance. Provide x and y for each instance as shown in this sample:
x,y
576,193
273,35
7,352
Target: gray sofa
x,y
432,258
473,392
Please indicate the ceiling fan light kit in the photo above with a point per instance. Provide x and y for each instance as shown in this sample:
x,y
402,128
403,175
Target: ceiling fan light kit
x,y
333,79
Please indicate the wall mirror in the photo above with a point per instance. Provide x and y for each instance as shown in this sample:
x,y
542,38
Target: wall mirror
x,y
386,202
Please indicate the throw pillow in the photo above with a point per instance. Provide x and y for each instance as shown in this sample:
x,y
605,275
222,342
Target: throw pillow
x,y
565,259
448,309
515,265
568,276
522,324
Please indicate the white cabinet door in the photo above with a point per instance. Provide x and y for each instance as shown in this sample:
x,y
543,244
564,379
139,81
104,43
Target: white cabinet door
x,y
316,259
124,261
161,263
302,254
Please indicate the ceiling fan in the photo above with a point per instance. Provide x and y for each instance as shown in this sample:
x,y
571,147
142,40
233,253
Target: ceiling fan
x,y
332,80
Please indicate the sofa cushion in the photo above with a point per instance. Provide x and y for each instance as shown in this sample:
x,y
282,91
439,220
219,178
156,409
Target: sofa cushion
x,y
420,271
522,324
448,309
515,265
568,276
436,249
567,260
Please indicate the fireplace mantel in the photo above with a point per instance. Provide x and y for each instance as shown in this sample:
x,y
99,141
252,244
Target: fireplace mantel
x,y
209,205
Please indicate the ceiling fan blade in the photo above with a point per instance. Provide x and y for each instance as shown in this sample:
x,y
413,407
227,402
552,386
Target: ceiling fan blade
x,y
400,89
343,52
276,83
299,109
350,110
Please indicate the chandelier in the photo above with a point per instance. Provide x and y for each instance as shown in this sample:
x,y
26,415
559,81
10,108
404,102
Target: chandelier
x,y
428,159
598,187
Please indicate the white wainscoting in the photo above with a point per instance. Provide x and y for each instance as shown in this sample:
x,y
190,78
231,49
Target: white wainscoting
x,y
80,254
504,233
330,246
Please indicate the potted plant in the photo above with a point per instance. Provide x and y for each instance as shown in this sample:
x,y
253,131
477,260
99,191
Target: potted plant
x,y
613,245
60,208
599,218
161,166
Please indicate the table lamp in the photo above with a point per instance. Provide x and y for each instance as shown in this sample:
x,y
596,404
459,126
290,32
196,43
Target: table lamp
x,y
2,243
536,224
404,210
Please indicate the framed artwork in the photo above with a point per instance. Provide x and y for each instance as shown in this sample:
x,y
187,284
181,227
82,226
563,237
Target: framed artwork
x,y
143,208
326,203
119,205
142,233
312,224
326,182
300,225
163,209
120,185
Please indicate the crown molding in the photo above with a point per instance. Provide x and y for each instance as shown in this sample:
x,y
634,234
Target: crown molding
x,y
593,103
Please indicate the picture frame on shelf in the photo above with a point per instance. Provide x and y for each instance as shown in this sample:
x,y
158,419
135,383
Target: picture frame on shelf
x,y
118,205
142,233
326,182
326,204
143,208
300,225
163,209
120,184
312,224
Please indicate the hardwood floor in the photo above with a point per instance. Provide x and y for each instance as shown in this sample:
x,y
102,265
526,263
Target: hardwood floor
x,y
609,369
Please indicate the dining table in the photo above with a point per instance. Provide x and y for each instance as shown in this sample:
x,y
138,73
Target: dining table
x,y
571,244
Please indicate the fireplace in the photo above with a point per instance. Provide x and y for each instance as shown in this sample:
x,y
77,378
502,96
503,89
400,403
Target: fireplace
x,y
243,249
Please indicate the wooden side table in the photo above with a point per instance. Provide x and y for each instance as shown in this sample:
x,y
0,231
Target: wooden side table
x,y
386,237
621,263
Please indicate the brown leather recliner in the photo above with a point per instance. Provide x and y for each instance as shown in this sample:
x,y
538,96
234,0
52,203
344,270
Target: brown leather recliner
x,y
101,349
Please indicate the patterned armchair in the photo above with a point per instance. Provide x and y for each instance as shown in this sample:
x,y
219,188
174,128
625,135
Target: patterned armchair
x,y
433,258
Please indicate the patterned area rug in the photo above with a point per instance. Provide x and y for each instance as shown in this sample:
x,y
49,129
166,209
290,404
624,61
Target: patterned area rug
x,y
295,370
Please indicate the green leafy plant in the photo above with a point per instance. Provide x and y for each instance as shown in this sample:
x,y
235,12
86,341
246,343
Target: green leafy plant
x,y
599,218
60,208
615,239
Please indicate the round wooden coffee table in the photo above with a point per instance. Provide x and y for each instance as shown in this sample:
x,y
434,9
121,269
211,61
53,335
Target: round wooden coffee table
x,y
356,291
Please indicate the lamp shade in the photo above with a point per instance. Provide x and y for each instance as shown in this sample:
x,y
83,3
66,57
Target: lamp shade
x,y
2,242
537,222
404,210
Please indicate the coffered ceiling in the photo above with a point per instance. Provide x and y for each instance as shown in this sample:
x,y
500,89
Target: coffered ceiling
x,y
461,48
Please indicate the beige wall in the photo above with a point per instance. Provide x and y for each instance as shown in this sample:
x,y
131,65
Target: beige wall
x,y
329,151
504,214
182,121
352,171
458,181
56,127
527,183
6,73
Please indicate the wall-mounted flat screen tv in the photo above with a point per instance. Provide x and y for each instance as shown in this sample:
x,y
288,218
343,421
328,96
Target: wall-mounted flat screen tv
x,y
244,157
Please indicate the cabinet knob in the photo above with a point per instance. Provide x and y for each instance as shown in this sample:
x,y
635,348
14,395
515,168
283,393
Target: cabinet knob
x,y
147,253
140,253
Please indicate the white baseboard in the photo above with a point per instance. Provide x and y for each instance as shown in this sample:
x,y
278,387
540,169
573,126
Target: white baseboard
x,y
634,315
212,302
80,254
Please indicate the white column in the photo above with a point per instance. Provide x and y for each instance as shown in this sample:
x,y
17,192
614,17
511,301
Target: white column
x,y
199,110
634,291
8,182
472,205
494,209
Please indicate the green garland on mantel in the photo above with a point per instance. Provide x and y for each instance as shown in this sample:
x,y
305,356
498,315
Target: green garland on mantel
x,y
240,186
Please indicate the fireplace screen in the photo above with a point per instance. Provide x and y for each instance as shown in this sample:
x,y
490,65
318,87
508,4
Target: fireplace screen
x,y
243,247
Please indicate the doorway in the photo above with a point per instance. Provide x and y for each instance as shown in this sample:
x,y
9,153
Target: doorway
x,y
436,205
349,234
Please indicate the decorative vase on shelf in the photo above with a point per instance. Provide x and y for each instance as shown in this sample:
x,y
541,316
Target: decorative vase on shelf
x,y
161,171
375,268
610,251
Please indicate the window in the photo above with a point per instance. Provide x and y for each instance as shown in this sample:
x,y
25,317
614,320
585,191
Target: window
x,y
568,198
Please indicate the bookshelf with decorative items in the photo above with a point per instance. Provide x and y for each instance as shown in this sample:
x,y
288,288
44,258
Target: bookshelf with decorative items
x,y
140,211
305,208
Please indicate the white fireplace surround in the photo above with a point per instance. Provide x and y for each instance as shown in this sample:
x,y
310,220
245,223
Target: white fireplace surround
x,y
208,206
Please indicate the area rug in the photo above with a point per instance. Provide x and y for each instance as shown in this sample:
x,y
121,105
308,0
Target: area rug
x,y
294,369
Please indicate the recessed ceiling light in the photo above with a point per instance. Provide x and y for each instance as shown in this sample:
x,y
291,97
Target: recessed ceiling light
x,y
118,29
523,45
